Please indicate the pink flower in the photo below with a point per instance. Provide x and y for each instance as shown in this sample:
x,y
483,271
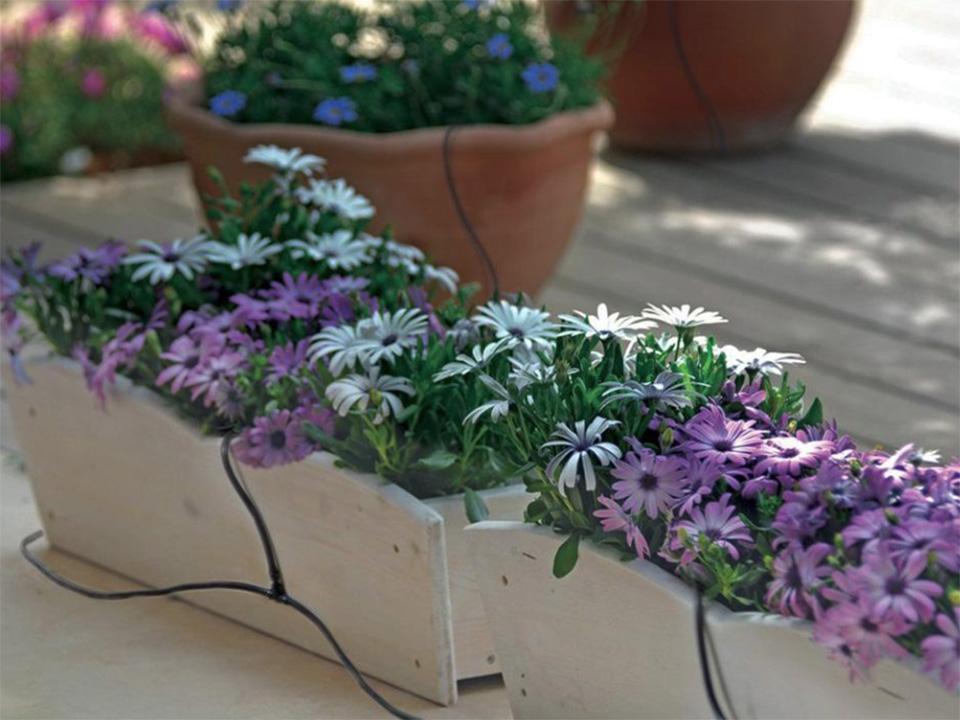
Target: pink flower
x,y
941,653
613,518
155,27
94,84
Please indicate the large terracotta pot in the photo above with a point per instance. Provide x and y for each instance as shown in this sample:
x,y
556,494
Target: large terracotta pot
x,y
758,63
522,187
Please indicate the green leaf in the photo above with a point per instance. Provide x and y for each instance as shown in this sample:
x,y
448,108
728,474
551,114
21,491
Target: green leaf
x,y
439,459
476,508
814,415
566,558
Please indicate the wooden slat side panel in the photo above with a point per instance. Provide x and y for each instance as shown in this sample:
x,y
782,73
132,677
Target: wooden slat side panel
x,y
138,491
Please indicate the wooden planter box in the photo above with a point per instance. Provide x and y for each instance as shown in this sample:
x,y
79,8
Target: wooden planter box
x,y
618,640
141,492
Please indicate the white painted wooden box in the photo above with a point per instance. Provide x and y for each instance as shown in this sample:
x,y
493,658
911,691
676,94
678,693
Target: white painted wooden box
x,y
618,640
140,491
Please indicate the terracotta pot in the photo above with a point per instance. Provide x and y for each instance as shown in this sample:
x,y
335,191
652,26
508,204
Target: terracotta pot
x,y
522,187
758,63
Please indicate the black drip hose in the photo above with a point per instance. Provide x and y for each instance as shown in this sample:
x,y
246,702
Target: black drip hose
x,y
276,591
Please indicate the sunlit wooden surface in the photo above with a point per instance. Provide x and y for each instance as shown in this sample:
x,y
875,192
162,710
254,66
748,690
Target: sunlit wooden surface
x,y
843,246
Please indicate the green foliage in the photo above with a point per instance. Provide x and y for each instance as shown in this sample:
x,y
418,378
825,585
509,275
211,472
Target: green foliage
x,y
50,113
432,64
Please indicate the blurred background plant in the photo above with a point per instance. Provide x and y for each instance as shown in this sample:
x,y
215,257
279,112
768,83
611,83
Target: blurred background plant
x,y
388,66
82,84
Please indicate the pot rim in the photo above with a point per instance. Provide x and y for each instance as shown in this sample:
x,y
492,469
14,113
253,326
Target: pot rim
x,y
182,113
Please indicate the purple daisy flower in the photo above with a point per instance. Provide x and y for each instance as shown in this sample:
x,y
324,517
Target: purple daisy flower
x,y
213,371
276,439
798,573
184,355
869,639
287,359
895,589
919,538
790,456
249,312
6,139
869,528
941,653
717,523
700,478
711,435
799,518
93,266
832,633
229,400
648,481
302,297
613,518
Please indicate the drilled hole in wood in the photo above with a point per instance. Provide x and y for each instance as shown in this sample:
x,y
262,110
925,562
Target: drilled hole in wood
x,y
396,549
416,662
51,515
491,659
503,579
523,692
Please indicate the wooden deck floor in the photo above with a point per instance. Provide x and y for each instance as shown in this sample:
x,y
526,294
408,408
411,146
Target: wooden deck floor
x,y
843,246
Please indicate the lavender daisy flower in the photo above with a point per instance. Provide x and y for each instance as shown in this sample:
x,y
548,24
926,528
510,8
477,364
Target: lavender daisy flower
x,y
358,73
869,528
285,360
230,401
228,103
518,326
700,477
91,266
941,653
916,540
683,317
159,263
276,439
339,250
386,335
300,297
184,355
604,325
870,639
613,518
335,111
788,455
581,446
337,197
499,47
665,391
717,523
370,390
797,575
249,250
211,373
831,631
648,481
540,77
710,434
895,589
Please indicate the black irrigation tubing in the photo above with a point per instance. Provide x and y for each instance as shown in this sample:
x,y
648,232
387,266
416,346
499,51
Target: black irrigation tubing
x,y
462,214
714,126
703,641
276,591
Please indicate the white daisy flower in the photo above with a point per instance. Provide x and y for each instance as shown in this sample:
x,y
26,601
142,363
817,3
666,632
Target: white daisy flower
x,y
464,364
921,456
519,326
371,390
399,255
250,250
604,325
530,372
342,346
335,196
758,360
159,263
338,250
287,161
445,277
667,390
386,335
683,317
498,407
581,446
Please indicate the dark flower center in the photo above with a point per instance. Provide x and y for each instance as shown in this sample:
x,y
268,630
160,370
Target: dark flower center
x,y
793,578
191,362
390,339
649,481
789,452
723,445
516,332
170,256
712,533
868,625
278,439
895,586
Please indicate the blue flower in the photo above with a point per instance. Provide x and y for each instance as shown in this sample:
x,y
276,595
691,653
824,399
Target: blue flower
x,y
335,111
228,103
499,47
477,4
358,72
541,77
229,5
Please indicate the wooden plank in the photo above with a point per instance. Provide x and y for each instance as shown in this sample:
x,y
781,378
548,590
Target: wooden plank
x,y
866,408
636,657
66,656
17,232
872,276
139,491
